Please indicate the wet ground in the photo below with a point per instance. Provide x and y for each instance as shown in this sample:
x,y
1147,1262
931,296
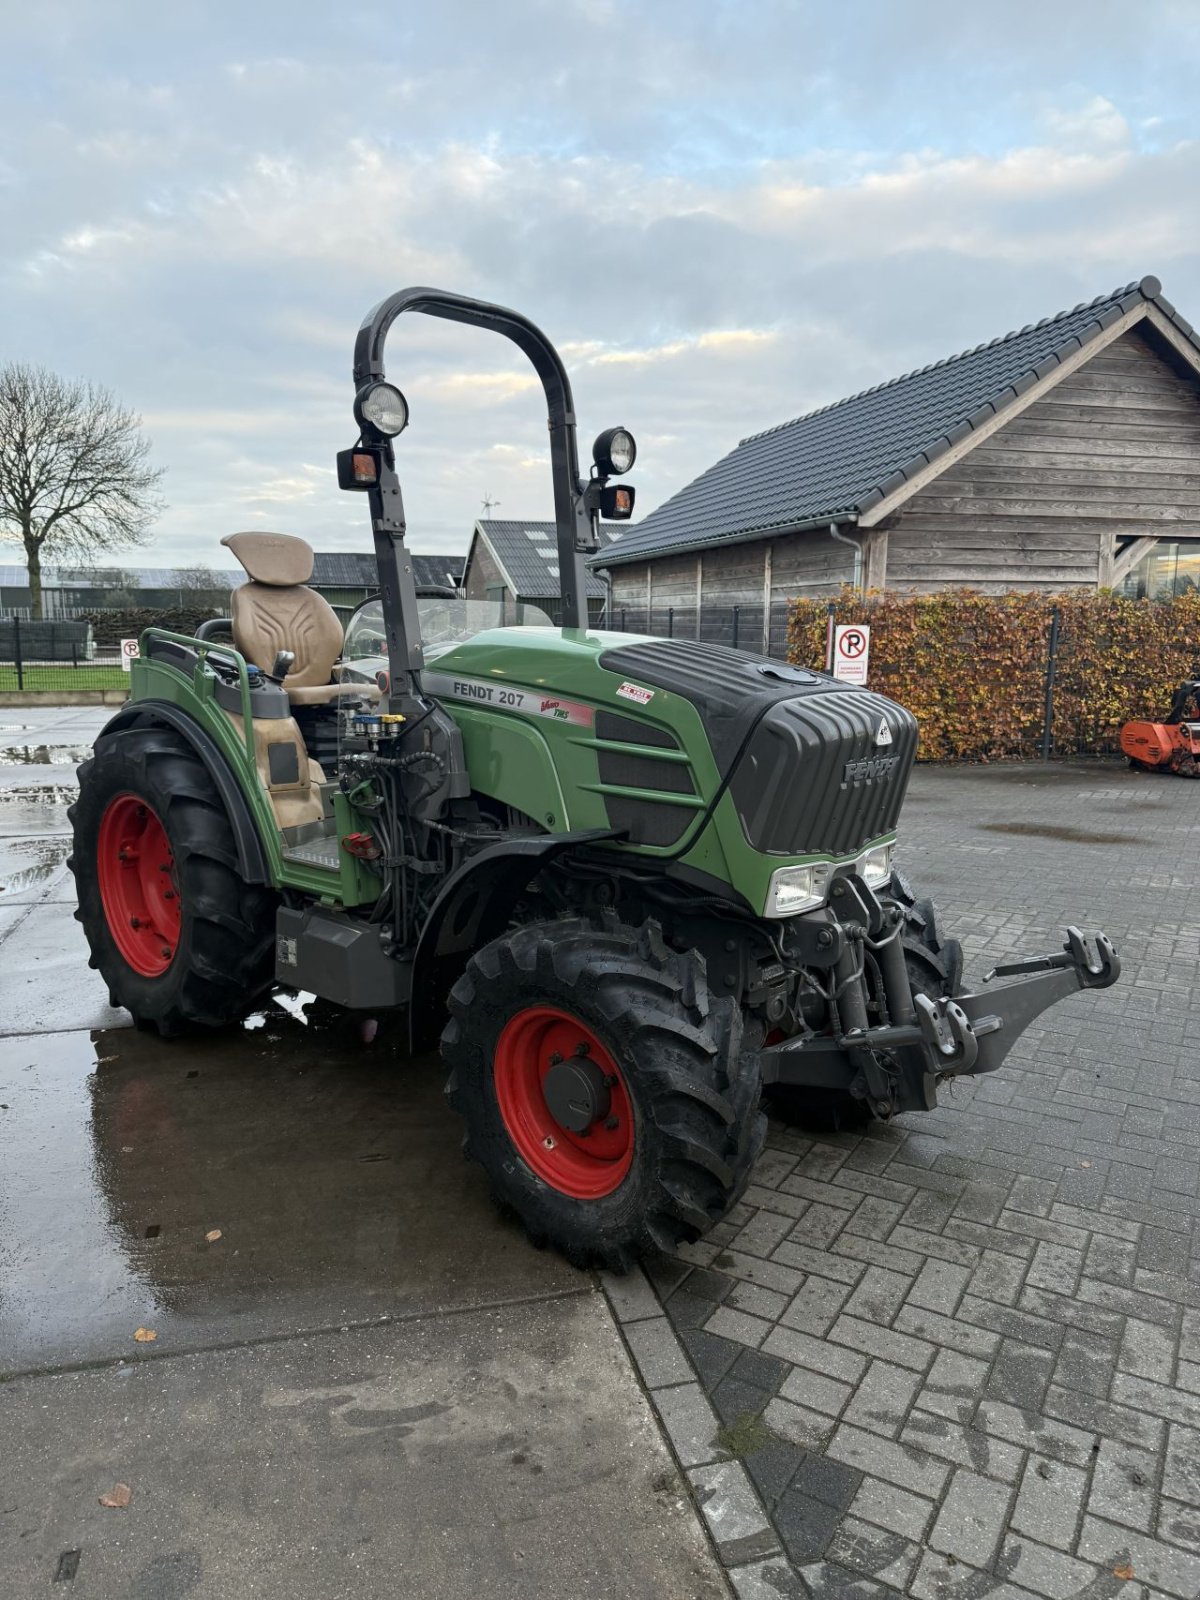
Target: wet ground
x,y
361,1379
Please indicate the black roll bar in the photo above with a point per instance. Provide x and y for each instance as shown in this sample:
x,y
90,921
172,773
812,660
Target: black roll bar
x,y
576,537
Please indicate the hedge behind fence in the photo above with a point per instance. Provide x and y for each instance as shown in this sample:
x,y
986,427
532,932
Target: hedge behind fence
x,y
972,667
110,627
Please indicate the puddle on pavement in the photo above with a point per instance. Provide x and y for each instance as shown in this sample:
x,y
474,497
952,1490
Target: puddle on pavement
x,y
36,808
25,863
1047,830
332,1169
44,755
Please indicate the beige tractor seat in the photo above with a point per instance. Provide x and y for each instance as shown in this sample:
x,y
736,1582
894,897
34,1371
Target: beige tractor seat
x,y
276,611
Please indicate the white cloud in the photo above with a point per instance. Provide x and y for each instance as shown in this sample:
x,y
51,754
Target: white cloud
x,y
722,227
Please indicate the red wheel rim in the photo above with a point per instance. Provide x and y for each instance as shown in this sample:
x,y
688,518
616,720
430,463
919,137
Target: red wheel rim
x,y
139,889
585,1165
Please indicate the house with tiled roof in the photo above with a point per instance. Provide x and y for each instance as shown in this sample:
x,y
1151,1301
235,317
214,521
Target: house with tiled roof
x,y
517,562
348,577
1064,455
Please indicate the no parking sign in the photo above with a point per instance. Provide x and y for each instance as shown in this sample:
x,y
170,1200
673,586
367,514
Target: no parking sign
x,y
130,651
851,651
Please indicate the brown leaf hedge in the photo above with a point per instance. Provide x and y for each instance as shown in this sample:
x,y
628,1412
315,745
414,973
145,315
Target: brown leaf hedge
x,y
972,667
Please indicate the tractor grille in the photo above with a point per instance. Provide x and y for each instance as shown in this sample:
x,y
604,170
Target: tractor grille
x,y
814,777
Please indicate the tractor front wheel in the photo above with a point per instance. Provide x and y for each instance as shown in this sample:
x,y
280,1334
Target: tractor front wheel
x,y
177,936
604,1091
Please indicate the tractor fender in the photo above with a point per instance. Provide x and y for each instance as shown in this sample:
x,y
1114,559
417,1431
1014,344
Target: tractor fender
x,y
473,907
252,863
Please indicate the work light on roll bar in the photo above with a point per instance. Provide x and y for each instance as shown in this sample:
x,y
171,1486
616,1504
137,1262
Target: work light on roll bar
x,y
614,452
381,408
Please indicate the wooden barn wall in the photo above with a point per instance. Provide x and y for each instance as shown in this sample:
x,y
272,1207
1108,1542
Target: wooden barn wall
x,y
1113,449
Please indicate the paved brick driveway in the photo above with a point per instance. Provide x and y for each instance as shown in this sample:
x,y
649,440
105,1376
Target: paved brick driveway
x,y
959,1357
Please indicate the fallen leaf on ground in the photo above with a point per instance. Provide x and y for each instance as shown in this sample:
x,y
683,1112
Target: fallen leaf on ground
x,y
1124,1572
145,1335
1085,1163
213,1235
118,1497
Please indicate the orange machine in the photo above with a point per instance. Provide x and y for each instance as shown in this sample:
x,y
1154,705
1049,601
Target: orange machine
x,y
1172,745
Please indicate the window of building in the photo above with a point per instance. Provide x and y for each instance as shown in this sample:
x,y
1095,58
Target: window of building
x,y
1171,568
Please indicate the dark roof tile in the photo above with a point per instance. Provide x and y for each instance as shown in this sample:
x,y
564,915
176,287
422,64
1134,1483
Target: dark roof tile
x,y
847,456
528,553
357,569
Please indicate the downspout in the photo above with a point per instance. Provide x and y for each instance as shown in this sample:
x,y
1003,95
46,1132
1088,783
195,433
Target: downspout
x,y
856,546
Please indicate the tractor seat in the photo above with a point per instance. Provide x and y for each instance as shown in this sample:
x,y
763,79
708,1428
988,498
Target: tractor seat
x,y
277,611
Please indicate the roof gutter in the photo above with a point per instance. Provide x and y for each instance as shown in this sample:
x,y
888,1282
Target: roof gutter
x,y
610,558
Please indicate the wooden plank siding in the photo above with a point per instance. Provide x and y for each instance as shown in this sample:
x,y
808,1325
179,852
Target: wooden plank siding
x,y
801,564
1113,451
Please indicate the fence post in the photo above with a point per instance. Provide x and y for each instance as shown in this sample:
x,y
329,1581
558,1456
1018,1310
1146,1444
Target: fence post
x,y
624,629
1051,666
670,622
74,655
17,652
737,611
830,613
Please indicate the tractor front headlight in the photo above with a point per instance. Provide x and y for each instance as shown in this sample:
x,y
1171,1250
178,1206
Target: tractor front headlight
x,y
383,407
875,867
796,889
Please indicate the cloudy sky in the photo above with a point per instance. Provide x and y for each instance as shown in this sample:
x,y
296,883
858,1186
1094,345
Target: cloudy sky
x,y
724,214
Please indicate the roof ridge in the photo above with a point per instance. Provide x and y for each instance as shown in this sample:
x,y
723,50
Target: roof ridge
x,y
1149,287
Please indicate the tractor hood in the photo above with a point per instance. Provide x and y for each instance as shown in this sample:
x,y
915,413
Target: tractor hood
x,y
812,764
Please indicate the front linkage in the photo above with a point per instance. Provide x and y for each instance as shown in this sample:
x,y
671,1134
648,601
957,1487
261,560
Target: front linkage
x,y
897,1065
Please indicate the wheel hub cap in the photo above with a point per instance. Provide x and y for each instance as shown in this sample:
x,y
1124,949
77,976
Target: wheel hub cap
x,y
576,1093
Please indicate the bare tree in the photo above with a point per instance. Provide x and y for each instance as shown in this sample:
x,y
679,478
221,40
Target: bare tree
x,y
203,585
74,474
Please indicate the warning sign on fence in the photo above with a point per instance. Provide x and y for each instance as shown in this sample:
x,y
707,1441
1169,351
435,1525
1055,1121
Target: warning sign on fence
x,y
851,651
129,652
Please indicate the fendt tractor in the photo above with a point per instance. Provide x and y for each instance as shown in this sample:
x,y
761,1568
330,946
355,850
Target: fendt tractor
x,y
631,882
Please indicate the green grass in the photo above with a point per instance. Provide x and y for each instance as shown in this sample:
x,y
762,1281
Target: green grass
x,y
46,680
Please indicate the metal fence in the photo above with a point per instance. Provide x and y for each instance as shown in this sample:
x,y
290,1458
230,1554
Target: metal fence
x,y
739,627
55,657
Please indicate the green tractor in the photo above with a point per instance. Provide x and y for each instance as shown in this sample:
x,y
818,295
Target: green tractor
x,y
632,883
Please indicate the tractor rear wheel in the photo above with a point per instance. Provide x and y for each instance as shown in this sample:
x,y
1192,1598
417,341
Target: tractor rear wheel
x,y
934,968
604,1090
177,936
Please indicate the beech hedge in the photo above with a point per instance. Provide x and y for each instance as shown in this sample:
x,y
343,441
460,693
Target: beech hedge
x,y
972,667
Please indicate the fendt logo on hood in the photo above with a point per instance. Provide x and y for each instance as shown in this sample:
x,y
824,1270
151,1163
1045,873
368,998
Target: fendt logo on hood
x,y
869,768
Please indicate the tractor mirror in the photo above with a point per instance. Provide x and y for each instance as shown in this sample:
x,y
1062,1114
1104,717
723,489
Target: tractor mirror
x,y
360,467
616,502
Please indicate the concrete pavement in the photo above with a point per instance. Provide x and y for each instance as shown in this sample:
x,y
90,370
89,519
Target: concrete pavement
x,y
368,1385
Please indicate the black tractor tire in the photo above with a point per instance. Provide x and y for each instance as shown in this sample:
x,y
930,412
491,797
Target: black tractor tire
x,y
689,1128
935,968
935,964
214,962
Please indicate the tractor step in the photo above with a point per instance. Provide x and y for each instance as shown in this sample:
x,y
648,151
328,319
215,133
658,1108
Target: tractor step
x,y
315,853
